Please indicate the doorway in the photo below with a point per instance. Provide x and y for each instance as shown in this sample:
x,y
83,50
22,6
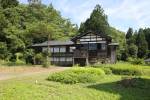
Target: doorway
x,y
80,61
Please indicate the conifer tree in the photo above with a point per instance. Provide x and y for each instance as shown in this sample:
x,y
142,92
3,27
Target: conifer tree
x,y
97,21
141,44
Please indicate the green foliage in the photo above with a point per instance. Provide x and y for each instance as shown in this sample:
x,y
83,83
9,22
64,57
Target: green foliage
x,y
107,70
39,58
77,75
132,50
141,44
126,70
97,21
147,36
8,3
129,33
46,62
3,50
23,25
138,61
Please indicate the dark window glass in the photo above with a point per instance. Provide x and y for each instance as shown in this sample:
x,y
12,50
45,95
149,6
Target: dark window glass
x,y
99,46
92,46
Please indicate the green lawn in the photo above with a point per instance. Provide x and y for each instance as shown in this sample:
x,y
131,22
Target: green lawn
x,y
107,88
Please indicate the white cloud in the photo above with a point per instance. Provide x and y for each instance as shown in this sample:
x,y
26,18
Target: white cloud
x,y
132,10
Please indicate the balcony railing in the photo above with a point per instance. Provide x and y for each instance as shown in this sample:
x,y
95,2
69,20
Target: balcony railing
x,y
80,53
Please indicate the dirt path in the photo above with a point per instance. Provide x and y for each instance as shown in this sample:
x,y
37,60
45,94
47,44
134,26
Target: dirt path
x,y
17,73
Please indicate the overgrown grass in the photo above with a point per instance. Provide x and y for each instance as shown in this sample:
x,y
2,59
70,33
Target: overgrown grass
x,y
125,69
36,87
77,75
107,88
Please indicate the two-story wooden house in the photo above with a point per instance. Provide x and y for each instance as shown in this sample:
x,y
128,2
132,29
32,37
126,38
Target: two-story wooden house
x,y
83,49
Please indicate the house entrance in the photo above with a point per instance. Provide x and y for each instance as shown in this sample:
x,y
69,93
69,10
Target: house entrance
x,y
80,61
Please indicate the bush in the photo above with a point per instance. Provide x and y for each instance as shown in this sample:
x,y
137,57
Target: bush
x,y
39,58
124,69
107,70
138,61
46,63
17,63
77,75
127,70
104,67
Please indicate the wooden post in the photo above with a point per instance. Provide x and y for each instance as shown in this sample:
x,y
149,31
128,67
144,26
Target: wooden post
x,y
48,49
73,61
87,61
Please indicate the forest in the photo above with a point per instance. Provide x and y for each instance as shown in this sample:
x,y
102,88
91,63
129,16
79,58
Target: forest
x,y
22,25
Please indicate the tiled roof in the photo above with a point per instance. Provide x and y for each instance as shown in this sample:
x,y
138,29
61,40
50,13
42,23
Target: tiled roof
x,y
53,43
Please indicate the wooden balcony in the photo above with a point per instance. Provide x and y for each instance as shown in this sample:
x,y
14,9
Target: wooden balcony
x,y
80,53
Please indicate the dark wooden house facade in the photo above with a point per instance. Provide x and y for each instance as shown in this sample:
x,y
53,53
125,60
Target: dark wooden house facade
x,y
83,49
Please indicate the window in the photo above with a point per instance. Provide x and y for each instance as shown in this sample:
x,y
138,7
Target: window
x,y
92,46
45,49
56,49
69,59
62,58
62,49
103,46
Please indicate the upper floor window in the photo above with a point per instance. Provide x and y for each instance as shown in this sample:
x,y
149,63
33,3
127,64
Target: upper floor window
x,y
103,46
92,46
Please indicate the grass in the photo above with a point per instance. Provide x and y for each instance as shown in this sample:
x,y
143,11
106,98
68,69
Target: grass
x,y
106,89
126,69
78,75
36,87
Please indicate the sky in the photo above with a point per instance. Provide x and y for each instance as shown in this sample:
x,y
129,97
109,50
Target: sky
x,y
122,14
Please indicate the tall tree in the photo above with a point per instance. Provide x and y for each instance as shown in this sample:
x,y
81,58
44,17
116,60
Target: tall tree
x,y
130,41
129,33
147,36
141,44
97,21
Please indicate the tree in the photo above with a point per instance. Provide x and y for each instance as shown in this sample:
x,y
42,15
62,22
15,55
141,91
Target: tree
x,y
23,25
3,50
141,44
129,33
129,36
147,37
3,24
132,50
97,21
8,3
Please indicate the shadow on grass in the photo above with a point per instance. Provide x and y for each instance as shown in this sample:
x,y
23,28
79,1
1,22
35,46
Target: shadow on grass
x,y
141,91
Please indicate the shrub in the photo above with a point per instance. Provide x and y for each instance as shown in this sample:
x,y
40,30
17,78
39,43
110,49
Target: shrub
x,y
17,63
77,75
107,70
104,67
46,63
130,59
39,58
126,70
138,61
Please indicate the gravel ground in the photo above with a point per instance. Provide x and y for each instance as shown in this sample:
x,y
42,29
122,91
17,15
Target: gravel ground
x,y
17,72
